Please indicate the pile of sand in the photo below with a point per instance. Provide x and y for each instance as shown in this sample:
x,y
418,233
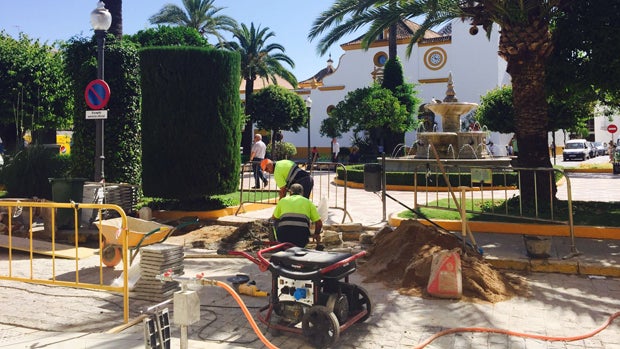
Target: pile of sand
x,y
402,259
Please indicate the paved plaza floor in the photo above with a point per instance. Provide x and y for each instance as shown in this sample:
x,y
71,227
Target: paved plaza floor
x,y
564,306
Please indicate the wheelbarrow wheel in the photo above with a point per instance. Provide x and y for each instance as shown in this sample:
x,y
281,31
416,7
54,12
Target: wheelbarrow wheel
x,y
320,326
111,255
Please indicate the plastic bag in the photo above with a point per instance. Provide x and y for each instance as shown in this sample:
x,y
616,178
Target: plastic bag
x,y
323,209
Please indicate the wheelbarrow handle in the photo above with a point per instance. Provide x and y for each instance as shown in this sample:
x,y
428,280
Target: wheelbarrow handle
x,y
190,220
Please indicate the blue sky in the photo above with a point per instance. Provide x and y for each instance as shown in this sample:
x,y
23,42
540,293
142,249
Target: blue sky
x,y
290,20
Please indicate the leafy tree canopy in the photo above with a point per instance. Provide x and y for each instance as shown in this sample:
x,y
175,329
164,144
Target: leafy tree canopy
x,y
497,112
165,35
585,60
34,91
276,108
372,107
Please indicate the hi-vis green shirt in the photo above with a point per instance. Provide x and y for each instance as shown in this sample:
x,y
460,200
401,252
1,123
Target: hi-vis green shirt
x,y
281,170
296,204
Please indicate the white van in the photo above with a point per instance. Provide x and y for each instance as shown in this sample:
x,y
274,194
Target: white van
x,y
576,149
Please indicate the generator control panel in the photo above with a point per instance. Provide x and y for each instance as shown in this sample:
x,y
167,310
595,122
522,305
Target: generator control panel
x,y
301,291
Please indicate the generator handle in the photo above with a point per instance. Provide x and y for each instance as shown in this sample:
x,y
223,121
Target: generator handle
x,y
262,262
342,262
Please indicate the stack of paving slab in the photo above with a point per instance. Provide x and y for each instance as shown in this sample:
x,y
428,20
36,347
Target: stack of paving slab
x,y
155,260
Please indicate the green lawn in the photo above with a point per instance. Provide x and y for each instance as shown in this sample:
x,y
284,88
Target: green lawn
x,y
214,202
587,213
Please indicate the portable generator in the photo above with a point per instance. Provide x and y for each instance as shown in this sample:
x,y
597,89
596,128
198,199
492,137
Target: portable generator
x,y
311,293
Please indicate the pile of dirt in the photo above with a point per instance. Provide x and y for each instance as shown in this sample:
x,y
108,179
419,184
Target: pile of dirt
x,y
402,259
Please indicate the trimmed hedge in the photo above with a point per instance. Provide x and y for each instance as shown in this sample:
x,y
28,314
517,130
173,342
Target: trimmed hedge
x,y
191,121
355,173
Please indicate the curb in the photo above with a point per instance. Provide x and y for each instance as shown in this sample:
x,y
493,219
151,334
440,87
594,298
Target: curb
x,y
581,231
215,214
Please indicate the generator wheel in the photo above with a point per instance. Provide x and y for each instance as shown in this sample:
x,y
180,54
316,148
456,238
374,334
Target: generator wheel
x,y
320,326
358,299
111,255
339,305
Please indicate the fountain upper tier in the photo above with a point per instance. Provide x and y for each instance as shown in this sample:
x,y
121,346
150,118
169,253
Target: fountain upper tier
x,y
451,114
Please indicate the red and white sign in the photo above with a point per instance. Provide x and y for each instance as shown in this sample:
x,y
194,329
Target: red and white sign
x,y
612,128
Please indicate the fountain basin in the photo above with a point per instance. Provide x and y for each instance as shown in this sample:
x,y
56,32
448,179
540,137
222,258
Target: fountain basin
x,y
411,164
452,145
443,142
472,145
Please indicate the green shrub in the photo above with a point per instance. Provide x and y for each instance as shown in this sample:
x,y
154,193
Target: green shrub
x,y
283,150
27,173
355,173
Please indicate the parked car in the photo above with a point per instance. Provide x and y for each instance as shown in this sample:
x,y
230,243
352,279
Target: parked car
x,y
600,148
576,149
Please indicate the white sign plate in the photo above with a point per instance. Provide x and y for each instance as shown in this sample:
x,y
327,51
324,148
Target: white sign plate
x,y
96,114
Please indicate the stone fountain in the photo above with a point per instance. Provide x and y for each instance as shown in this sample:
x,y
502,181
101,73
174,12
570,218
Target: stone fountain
x,y
455,147
452,142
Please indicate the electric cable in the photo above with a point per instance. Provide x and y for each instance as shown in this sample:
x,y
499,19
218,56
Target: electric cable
x,y
518,334
209,282
247,314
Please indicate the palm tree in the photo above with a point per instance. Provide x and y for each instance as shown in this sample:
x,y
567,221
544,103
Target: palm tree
x,y
258,59
361,13
525,43
201,15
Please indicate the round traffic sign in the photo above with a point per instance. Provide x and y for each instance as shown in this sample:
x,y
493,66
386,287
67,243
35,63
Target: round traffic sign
x,y
97,94
612,128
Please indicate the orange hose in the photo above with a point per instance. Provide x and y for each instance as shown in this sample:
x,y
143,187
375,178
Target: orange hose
x,y
247,314
517,334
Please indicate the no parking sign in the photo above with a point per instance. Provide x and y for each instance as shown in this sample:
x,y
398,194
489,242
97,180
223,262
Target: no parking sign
x,y
97,94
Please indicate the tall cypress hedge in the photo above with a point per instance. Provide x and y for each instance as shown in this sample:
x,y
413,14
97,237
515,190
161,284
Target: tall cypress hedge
x,y
122,136
191,122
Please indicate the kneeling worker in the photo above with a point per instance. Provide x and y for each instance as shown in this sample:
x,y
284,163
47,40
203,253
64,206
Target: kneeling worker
x,y
286,173
294,213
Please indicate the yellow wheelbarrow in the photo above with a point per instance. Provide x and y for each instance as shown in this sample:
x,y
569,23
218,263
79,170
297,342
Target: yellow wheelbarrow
x,y
139,233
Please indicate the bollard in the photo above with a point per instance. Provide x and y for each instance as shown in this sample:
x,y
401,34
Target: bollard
x,y
186,312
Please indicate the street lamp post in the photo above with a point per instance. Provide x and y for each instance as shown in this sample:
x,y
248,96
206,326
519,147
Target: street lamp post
x,y
308,107
100,19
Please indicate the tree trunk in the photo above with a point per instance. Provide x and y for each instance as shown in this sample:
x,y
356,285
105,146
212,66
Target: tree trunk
x,y
116,10
528,79
392,43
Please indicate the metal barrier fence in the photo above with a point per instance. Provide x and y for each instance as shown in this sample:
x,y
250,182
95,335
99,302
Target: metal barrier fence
x,y
494,191
31,232
325,191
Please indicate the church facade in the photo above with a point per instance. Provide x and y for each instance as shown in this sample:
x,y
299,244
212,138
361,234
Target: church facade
x,y
472,61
